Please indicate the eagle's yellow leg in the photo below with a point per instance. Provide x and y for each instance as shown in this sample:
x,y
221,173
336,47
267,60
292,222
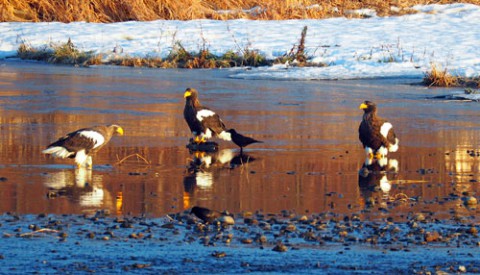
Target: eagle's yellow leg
x,y
119,202
199,139
199,154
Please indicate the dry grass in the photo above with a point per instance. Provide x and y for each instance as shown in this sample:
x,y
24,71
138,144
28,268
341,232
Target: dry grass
x,y
439,77
146,10
442,78
65,53
179,57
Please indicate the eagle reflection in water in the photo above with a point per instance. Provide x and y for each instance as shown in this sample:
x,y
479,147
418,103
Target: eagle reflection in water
x,y
78,186
203,167
374,177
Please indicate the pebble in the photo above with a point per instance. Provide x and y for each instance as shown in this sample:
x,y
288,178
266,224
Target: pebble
x,y
247,241
432,237
219,254
280,248
472,230
470,201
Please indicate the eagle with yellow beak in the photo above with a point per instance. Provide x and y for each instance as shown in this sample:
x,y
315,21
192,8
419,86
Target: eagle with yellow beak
x,y
375,133
203,122
83,143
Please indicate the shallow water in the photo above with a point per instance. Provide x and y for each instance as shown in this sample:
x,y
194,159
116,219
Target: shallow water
x,y
309,161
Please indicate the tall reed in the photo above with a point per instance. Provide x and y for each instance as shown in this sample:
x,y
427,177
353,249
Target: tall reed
x,y
146,10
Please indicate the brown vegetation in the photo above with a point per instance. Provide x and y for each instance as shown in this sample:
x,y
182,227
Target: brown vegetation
x,y
146,10
179,57
439,77
442,78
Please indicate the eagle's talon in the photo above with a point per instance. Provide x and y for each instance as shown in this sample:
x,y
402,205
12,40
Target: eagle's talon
x,y
199,139
199,154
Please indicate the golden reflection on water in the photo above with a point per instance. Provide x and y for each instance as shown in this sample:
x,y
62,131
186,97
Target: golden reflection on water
x,y
310,161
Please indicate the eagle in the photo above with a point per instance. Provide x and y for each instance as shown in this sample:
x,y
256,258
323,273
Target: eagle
x,y
375,133
82,143
203,122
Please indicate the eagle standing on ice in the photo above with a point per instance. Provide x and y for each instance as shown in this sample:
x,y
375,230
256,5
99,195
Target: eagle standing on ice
x,y
205,123
376,134
82,143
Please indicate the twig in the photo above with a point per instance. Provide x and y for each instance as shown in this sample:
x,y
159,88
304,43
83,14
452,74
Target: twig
x,y
133,155
47,230
399,197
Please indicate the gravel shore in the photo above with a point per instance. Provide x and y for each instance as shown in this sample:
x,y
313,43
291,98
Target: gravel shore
x,y
256,243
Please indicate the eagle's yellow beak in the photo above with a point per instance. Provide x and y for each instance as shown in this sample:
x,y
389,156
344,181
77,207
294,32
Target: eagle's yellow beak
x,y
120,131
363,106
187,94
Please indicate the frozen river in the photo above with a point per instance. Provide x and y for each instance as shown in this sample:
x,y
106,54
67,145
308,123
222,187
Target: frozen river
x,y
309,161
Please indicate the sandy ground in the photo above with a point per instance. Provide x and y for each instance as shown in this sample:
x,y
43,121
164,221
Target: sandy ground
x,y
318,243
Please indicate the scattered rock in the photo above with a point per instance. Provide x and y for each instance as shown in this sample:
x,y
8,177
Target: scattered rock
x,y
280,248
470,201
432,237
219,254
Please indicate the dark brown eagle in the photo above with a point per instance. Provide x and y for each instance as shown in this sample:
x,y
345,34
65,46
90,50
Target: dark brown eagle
x,y
82,143
205,123
375,133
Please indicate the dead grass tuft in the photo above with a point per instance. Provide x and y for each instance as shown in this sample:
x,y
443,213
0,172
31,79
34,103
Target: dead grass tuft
x,y
439,77
179,57
147,10
442,78
65,53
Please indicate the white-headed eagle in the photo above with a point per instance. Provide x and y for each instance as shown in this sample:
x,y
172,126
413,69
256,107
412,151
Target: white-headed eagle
x,y
375,133
82,143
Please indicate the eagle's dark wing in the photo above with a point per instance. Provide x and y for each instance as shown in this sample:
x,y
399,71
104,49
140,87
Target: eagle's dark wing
x,y
211,120
369,134
391,137
75,142
190,115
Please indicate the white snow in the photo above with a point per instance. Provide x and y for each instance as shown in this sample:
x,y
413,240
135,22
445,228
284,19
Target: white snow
x,y
397,46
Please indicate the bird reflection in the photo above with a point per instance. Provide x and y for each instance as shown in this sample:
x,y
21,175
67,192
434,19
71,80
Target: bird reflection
x,y
202,168
375,176
78,185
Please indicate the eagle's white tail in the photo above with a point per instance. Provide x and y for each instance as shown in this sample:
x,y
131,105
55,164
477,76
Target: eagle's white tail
x,y
58,152
225,136
393,147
